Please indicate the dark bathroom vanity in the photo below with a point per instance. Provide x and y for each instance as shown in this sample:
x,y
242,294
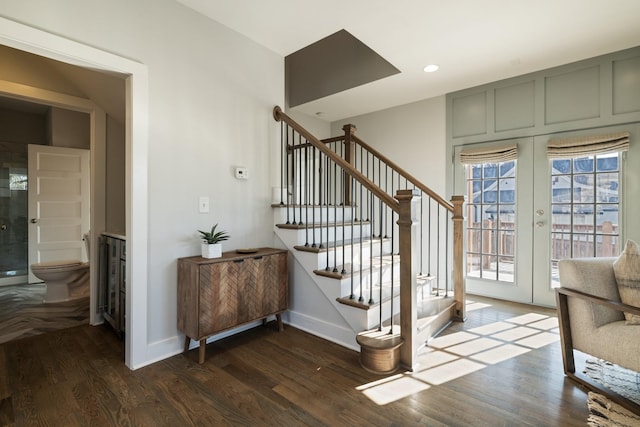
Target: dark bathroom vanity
x,y
113,262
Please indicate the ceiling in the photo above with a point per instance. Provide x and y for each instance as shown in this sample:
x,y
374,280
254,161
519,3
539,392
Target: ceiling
x,y
473,41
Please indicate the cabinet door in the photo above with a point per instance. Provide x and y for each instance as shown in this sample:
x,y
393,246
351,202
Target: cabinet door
x,y
218,296
274,283
251,289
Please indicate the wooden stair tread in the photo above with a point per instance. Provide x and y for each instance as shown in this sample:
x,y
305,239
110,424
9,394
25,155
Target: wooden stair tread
x,y
340,243
431,306
298,206
364,305
347,267
293,226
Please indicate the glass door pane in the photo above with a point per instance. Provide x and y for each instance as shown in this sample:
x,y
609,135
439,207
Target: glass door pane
x,y
585,208
13,213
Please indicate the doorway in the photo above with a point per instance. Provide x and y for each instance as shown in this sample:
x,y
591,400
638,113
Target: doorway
x,y
526,213
57,48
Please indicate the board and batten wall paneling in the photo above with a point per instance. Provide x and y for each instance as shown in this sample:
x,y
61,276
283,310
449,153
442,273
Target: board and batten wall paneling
x,y
571,96
596,92
626,87
470,115
515,106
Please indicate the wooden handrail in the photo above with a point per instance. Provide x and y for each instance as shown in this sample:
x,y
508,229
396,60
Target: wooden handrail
x,y
333,139
279,115
324,141
405,174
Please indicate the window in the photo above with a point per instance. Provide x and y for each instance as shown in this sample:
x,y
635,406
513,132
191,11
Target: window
x,y
17,179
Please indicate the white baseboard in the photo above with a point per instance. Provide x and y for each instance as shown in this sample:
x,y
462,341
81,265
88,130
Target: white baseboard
x,y
169,347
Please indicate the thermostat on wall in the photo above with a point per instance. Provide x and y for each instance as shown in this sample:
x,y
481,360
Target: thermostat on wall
x,y
242,173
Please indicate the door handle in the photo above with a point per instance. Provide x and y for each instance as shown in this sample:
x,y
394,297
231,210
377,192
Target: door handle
x,y
3,227
539,224
34,220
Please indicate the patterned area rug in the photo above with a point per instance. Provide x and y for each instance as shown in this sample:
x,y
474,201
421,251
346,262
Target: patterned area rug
x,y
602,411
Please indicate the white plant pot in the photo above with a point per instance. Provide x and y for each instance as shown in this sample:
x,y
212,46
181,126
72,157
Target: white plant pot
x,y
211,250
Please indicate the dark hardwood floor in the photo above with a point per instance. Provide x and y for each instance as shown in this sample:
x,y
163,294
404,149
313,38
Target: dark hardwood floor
x,y
502,367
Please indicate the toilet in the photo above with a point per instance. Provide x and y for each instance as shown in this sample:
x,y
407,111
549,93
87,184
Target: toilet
x,y
64,280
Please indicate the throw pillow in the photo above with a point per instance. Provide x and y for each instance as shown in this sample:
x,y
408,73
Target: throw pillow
x,y
627,271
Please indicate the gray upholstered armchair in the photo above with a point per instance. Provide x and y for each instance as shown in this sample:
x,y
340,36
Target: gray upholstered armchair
x,y
591,320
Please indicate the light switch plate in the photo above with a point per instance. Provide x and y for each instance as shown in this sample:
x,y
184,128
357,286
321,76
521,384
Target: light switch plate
x,y
203,204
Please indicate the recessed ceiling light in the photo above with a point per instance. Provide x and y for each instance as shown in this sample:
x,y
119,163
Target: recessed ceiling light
x,y
431,68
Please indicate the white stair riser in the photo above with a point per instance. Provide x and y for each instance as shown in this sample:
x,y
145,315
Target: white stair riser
x,y
368,280
323,235
314,214
335,254
373,316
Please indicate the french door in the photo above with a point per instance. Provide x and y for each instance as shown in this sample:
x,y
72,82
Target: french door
x,y
523,215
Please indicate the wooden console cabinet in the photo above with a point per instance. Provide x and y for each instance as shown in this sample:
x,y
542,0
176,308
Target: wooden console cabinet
x,y
215,294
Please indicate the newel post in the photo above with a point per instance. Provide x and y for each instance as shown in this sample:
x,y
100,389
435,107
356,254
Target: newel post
x,y
349,157
408,223
458,258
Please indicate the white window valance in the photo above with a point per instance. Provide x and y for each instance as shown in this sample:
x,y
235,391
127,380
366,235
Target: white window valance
x,y
503,153
580,146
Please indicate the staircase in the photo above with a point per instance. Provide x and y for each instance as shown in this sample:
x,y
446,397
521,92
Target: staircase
x,y
373,241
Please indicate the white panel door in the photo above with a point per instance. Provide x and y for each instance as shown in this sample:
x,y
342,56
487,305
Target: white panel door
x,y
58,204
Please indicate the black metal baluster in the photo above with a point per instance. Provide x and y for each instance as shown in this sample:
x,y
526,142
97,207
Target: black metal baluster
x,y
361,298
314,198
344,202
306,194
335,217
368,210
300,187
429,238
371,252
438,254
381,262
328,198
373,208
446,254
320,196
421,228
352,188
386,173
287,173
392,270
282,161
294,173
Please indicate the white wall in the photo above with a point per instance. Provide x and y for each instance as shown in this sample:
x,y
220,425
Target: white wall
x,y
69,129
115,218
412,135
211,92
319,128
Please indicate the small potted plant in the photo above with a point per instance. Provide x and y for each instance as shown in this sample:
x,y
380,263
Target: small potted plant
x,y
211,246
